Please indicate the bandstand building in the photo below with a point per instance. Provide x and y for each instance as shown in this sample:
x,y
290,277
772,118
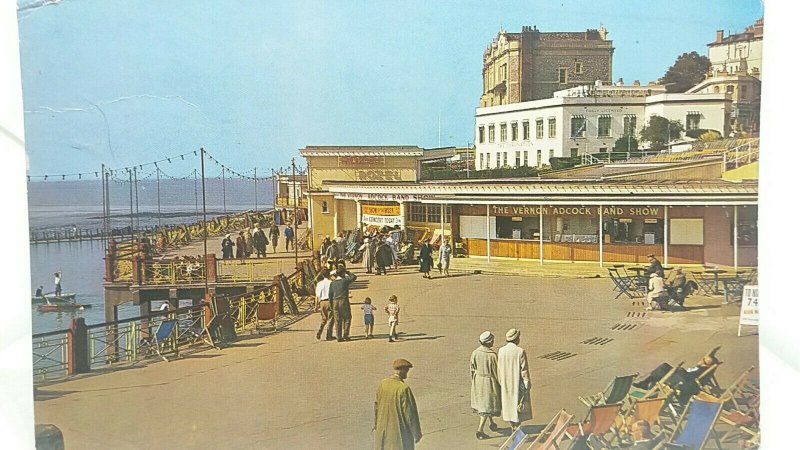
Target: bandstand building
x,y
684,211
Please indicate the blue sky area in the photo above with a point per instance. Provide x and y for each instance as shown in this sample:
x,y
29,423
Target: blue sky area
x,y
124,82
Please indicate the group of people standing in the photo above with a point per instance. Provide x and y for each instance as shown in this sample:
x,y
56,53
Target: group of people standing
x,y
426,258
333,297
379,251
501,383
255,241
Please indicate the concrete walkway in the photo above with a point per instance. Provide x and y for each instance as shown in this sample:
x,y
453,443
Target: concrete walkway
x,y
287,390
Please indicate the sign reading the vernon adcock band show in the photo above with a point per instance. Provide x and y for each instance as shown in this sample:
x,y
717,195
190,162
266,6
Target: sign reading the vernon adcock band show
x,y
640,211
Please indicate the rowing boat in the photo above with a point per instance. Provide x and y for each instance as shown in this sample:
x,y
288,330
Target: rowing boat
x,y
63,298
56,307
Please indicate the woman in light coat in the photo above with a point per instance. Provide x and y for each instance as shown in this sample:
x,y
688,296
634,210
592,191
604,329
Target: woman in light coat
x,y
368,254
515,381
445,251
485,390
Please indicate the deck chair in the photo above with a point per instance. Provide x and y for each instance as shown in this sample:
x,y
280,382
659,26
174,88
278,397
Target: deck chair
x,y
552,433
738,392
646,409
708,380
599,421
638,393
616,391
516,440
696,425
195,330
743,425
164,334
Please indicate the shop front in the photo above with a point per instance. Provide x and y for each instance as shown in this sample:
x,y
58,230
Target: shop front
x,y
606,234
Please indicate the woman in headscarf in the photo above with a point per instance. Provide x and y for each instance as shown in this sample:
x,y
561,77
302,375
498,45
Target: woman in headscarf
x,y
485,391
445,251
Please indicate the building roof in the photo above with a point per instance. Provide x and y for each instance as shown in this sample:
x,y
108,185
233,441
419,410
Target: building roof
x,y
350,150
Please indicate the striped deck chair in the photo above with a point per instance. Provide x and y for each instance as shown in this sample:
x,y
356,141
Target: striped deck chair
x,y
165,335
696,425
645,409
599,421
552,433
655,390
616,392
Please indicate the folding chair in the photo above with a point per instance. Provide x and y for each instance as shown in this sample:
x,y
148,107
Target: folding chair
x,y
708,381
704,283
552,433
164,335
696,425
599,421
197,330
738,392
743,424
616,391
621,284
515,441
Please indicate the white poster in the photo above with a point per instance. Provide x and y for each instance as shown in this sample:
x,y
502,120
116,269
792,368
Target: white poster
x,y
749,313
380,221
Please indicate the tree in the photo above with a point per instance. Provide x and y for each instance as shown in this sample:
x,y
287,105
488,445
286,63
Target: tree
x,y
626,144
660,131
689,70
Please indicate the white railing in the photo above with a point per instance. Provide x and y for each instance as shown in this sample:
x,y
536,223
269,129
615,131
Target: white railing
x,y
741,155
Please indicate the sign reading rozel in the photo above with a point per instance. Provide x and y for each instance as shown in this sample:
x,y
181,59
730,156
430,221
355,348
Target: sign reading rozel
x,y
362,161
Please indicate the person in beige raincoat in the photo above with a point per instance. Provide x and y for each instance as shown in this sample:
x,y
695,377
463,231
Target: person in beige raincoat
x,y
396,419
515,382
485,392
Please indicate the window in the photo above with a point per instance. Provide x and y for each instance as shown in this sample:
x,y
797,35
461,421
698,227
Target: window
x,y
573,152
525,158
480,134
604,126
629,125
481,166
747,225
551,127
503,73
578,127
502,132
517,161
638,231
742,92
514,135
551,155
491,133
603,149
539,128
324,207
538,158
562,75
729,89
505,159
692,120
488,160
578,67
526,131
418,212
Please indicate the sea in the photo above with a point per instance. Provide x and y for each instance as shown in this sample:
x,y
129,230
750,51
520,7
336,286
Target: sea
x,y
66,205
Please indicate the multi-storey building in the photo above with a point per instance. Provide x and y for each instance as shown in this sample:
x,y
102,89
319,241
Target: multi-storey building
x,y
585,120
738,52
531,65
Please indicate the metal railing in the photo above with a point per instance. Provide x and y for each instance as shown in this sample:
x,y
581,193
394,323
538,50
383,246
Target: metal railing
x,y
51,354
741,155
174,271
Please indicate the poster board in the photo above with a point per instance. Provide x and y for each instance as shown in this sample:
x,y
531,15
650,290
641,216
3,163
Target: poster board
x,y
749,313
686,231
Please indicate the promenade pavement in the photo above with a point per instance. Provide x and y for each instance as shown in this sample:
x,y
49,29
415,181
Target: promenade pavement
x,y
287,390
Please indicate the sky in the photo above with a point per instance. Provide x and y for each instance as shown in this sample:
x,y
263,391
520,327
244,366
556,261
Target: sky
x,y
123,83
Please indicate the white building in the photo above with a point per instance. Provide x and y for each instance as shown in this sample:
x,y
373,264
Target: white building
x,y
585,120
739,51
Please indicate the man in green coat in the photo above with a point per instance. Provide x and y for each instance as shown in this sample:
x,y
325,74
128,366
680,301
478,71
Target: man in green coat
x,y
396,418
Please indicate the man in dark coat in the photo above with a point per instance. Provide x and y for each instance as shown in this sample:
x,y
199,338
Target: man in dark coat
x,y
426,258
383,257
339,296
227,247
654,267
260,242
274,233
677,287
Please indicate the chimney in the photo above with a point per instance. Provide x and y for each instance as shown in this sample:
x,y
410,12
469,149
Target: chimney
x,y
620,82
636,83
720,35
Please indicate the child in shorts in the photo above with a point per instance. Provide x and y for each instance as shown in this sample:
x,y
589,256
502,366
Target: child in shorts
x,y
369,318
393,310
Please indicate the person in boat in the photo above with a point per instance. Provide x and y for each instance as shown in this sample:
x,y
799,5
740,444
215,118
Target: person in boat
x,y
57,276
39,292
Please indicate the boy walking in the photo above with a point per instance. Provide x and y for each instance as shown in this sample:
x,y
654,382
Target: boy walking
x,y
369,317
393,310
